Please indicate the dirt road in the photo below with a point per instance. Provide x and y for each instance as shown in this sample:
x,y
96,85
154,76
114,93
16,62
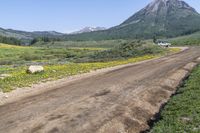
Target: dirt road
x,y
118,101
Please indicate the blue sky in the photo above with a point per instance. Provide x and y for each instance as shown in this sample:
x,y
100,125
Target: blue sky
x,y
69,15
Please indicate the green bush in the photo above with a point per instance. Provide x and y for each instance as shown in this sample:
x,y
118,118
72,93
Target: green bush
x,y
127,50
30,56
5,62
10,40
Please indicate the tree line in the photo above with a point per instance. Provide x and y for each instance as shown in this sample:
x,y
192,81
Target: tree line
x,y
10,40
44,39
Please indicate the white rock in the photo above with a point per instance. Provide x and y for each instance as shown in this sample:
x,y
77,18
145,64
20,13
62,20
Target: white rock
x,y
35,69
6,96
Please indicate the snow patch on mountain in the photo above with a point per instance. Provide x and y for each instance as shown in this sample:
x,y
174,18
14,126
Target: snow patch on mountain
x,y
89,29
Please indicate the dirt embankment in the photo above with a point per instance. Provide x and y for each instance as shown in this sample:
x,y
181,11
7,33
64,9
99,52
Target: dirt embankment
x,y
121,100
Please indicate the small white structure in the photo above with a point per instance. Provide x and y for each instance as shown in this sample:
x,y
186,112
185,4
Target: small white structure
x,y
164,43
35,69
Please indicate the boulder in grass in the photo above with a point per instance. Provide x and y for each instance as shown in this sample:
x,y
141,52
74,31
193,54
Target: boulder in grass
x,y
35,69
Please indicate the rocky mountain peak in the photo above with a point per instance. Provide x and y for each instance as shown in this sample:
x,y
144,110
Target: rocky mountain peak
x,y
163,17
156,5
161,9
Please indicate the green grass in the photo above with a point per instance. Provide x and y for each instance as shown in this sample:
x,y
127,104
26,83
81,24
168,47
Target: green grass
x,y
182,113
17,55
82,44
61,62
191,40
20,78
88,48
127,50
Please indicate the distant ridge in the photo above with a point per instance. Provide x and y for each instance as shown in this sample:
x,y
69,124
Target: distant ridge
x,y
28,35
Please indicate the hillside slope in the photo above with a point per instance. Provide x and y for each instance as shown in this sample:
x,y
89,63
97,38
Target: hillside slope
x,y
164,18
192,39
28,35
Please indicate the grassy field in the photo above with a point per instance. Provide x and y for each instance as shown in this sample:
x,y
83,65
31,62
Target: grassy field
x,y
191,40
20,78
62,62
17,55
82,44
182,113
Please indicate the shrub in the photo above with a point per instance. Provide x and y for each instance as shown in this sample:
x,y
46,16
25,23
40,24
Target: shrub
x,y
6,62
30,56
126,50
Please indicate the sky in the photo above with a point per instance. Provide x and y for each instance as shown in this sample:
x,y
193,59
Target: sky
x,y
69,15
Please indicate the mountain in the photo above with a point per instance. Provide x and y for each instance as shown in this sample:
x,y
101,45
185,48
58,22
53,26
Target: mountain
x,y
46,33
23,35
163,18
89,29
14,33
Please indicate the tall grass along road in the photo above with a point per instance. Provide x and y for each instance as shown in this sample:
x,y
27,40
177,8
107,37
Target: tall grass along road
x,y
182,113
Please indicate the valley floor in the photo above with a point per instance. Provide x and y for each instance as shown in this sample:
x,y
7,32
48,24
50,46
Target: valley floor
x,y
120,100
56,63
